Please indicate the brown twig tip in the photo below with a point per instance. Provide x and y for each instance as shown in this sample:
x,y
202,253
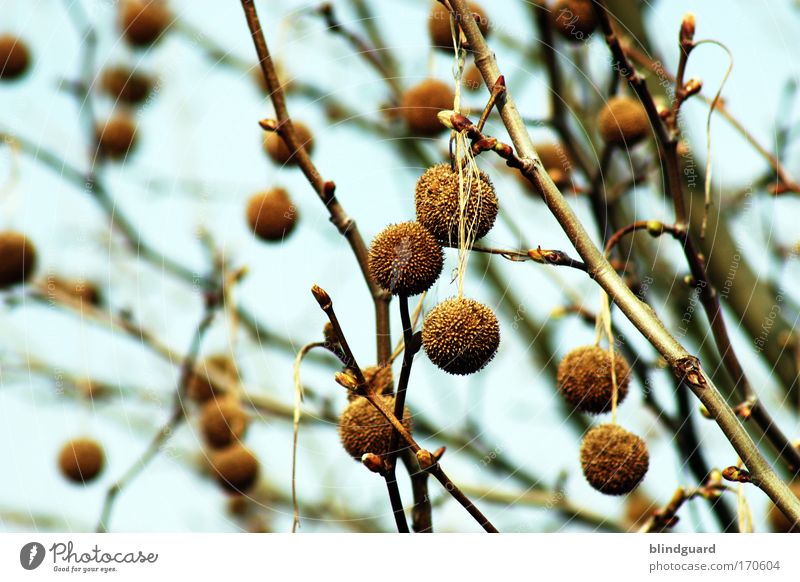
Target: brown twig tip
x,y
500,83
374,463
737,475
439,453
268,124
322,297
687,31
692,87
426,459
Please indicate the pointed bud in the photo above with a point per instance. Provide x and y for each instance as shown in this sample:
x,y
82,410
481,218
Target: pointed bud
x,y
374,463
268,124
445,118
737,475
425,459
687,30
655,228
693,87
347,381
321,296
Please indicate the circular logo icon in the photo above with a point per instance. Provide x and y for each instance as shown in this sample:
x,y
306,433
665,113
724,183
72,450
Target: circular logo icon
x,y
31,555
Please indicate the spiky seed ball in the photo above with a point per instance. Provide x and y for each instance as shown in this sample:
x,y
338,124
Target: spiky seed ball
x,y
422,103
79,289
623,121
461,336
201,389
116,136
81,460
438,206
363,429
223,421
125,85
584,379
236,468
17,258
271,215
614,460
15,58
574,19
143,22
439,24
279,152
405,259
778,522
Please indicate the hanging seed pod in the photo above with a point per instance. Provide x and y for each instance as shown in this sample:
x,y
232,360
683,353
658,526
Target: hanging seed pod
x,y
125,85
279,152
363,429
438,207
15,58
439,24
143,22
116,136
201,389
422,103
17,259
614,460
81,460
236,468
271,215
405,259
223,422
623,121
584,379
461,336
575,20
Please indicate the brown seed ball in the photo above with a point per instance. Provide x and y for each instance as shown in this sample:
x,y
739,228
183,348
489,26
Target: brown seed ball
x,y
79,289
271,215
439,24
422,103
363,429
438,206
574,19
236,468
584,379
223,422
15,58
405,259
116,136
778,522
143,22
125,85
614,460
279,152
201,389
623,121
81,460
472,78
17,259
461,336
556,161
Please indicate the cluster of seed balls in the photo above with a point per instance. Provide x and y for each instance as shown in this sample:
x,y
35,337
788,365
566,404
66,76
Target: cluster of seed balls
x,y
614,460
223,424
142,24
459,335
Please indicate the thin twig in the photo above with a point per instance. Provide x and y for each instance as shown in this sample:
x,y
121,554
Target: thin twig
x,y
324,189
641,316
